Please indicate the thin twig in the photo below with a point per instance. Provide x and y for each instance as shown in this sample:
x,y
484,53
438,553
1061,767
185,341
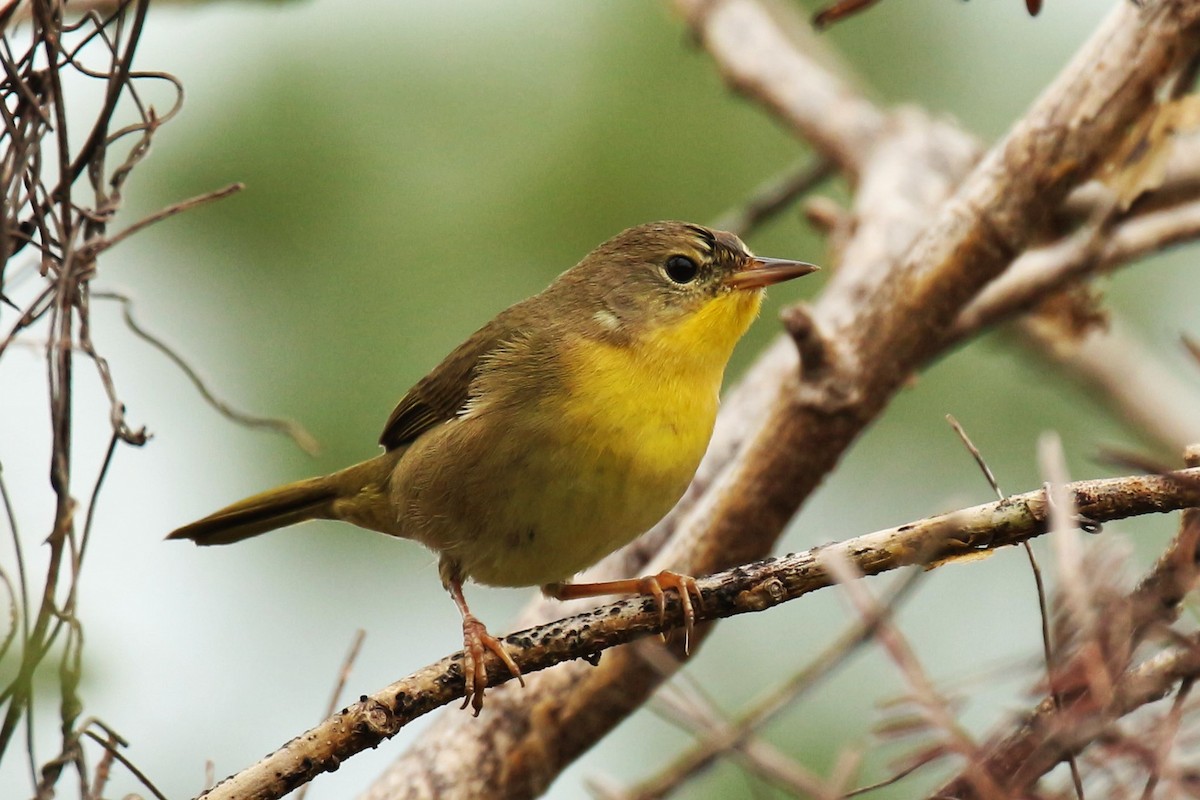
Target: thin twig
x,y
129,765
693,710
775,196
1020,753
933,706
1040,587
978,456
63,229
294,430
99,246
121,429
1167,734
339,686
1092,250
1117,369
889,781
1043,734
22,580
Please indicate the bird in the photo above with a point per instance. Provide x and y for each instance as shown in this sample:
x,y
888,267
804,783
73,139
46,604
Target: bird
x,y
558,432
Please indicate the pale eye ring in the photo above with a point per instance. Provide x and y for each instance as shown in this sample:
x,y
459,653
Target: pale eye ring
x,y
681,269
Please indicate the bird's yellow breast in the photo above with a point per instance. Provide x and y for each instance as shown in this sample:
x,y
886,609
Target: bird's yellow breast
x,y
652,402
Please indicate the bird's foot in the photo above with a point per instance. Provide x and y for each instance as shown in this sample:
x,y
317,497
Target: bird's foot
x,y
653,585
476,640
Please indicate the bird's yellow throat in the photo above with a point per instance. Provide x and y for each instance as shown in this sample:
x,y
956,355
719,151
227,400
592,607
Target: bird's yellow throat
x,y
655,398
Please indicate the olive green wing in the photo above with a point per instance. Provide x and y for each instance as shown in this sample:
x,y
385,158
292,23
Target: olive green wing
x,y
443,393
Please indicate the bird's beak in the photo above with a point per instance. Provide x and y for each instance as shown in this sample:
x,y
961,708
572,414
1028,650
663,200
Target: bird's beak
x,y
761,272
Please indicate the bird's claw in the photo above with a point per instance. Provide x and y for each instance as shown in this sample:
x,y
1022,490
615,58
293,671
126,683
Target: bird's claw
x,y
685,585
476,640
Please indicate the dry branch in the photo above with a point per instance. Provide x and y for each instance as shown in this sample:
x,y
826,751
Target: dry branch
x,y
1020,754
62,186
744,589
1127,375
1045,736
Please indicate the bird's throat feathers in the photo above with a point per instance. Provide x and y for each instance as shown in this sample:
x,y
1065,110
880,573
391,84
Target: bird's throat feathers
x,y
698,345
672,368
705,338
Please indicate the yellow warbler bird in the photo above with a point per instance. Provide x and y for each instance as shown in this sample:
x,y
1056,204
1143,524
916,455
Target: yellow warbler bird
x,y
556,433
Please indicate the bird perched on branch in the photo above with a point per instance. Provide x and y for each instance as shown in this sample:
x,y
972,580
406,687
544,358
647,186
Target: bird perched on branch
x,y
556,433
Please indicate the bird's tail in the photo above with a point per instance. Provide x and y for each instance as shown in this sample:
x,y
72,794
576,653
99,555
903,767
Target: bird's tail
x,y
356,494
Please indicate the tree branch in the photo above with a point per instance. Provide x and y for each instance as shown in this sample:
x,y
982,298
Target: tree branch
x,y
745,589
1019,755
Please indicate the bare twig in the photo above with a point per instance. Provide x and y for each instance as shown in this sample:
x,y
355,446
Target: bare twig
x,y
1039,586
293,430
888,781
1065,539
1090,251
339,686
774,196
933,706
1119,370
1167,737
21,607
111,747
99,246
1019,754
757,60
692,710
975,454
65,226
1044,735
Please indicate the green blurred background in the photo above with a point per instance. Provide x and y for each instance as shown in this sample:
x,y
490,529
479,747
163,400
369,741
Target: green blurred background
x,y
413,168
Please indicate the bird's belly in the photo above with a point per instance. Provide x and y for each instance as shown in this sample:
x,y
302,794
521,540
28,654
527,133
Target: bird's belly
x,y
586,506
556,493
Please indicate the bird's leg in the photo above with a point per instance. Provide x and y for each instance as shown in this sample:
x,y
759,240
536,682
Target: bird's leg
x,y
475,639
652,585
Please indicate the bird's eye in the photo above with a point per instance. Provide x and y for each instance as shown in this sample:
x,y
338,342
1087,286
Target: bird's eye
x,y
681,269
